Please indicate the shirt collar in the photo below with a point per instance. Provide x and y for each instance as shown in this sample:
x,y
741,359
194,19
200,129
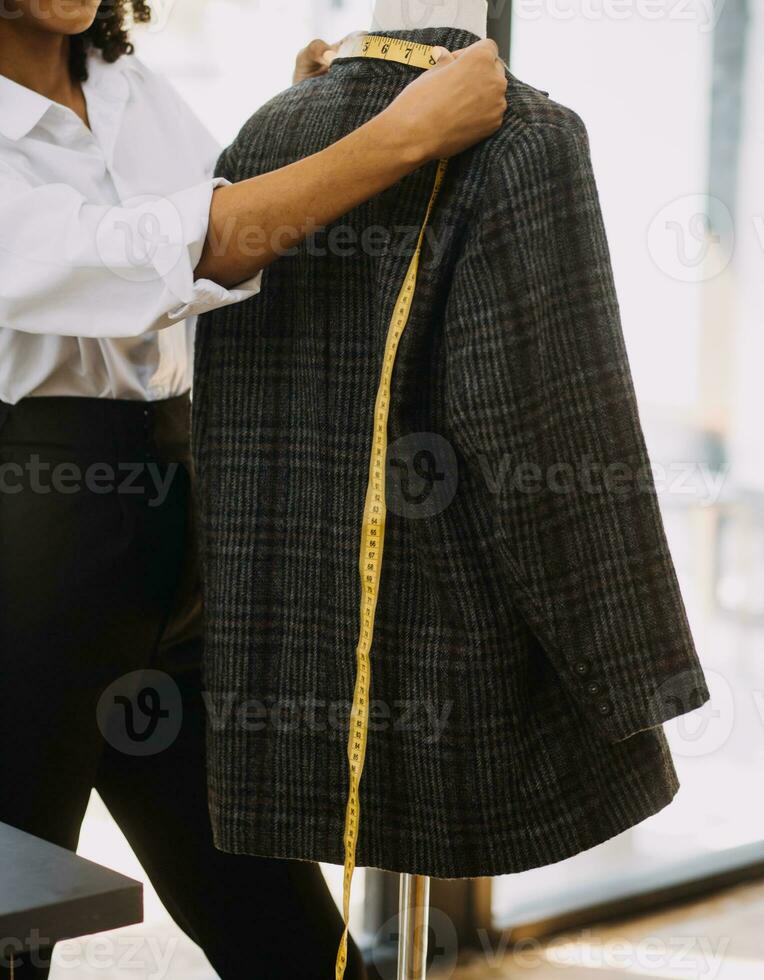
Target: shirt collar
x,y
109,79
21,109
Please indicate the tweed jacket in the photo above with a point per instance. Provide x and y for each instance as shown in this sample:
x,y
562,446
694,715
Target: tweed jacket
x,y
530,635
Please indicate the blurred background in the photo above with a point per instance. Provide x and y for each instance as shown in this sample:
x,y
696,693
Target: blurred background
x,y
672,93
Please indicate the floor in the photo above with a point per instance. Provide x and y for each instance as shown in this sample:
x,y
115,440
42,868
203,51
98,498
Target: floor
x,y
716,938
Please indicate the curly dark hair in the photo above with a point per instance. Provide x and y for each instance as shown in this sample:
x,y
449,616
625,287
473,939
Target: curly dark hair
x,y
109,33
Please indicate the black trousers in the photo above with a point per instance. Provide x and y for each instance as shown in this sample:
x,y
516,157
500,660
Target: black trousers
x,y
98,586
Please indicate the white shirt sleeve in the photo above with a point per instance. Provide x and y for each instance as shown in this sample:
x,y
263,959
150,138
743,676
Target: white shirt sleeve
x,y
72,268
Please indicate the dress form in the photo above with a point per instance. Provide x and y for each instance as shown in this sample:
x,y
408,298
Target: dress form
x,y
402,15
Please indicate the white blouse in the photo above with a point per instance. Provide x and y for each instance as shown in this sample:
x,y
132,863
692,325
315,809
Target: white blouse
x,y
100,232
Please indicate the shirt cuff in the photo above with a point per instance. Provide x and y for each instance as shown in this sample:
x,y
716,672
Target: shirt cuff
x,y
177,253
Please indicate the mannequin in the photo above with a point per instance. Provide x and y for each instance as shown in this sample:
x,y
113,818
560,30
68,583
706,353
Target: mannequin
x,y
402,15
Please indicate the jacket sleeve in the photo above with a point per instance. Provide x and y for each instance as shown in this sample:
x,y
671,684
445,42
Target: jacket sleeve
x,y
543,409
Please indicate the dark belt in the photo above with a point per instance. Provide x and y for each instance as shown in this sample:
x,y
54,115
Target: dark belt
x,y
114,427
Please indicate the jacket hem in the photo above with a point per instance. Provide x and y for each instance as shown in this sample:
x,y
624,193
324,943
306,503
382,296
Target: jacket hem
x,y
252,841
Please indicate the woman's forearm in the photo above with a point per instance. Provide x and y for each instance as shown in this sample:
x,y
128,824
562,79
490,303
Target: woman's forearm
x,y
256,220
459,102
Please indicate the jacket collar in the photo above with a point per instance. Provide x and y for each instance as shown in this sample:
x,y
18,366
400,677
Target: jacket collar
x,y
21,109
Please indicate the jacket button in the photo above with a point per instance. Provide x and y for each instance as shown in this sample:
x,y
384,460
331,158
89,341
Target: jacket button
x,y
593,689
583,668
605,708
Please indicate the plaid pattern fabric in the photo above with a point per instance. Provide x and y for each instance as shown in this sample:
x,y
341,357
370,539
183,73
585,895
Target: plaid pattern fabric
x,y
530,634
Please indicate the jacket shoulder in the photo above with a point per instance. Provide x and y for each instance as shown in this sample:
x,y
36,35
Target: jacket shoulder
x,y
274,120
540,138
531,108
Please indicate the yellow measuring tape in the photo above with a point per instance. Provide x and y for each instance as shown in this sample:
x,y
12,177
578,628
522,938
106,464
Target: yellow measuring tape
x,y
389,49
374,514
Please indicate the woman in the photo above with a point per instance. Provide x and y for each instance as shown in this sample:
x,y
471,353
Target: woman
x,y
113,236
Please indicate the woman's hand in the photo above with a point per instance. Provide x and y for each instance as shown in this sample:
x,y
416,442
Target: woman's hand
x,y
459,102
456,104
314,60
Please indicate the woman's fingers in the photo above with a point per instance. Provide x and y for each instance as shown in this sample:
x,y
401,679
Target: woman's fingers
x,y
442,56
314,60
317,47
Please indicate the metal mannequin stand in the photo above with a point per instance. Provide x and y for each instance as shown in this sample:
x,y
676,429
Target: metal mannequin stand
x,y
413,923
